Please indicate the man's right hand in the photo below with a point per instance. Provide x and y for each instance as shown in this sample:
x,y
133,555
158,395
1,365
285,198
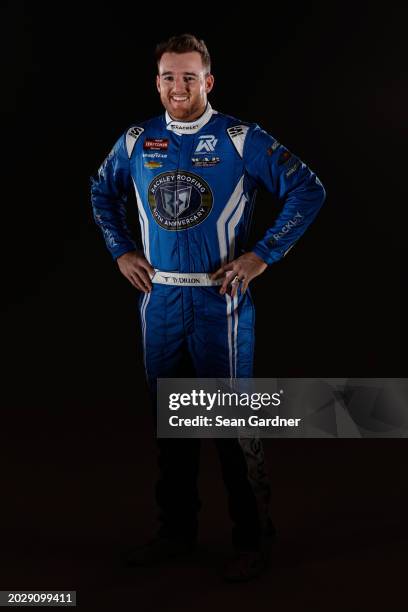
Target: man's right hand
x,y
137,270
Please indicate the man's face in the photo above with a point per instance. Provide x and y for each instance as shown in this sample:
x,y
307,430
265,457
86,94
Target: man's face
x,y
183,85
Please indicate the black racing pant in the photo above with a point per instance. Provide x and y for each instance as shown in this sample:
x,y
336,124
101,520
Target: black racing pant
x,y
196,332
244,475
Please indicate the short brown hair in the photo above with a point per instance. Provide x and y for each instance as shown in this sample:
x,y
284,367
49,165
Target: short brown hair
x,y
184,43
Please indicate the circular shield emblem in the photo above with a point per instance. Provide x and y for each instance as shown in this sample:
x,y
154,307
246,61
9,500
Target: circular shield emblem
x,y
179,200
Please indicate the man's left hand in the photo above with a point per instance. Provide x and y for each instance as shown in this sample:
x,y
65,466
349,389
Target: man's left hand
x,y
243,269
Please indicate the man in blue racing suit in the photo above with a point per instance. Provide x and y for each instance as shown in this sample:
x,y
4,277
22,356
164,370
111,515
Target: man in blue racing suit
x,y
195,173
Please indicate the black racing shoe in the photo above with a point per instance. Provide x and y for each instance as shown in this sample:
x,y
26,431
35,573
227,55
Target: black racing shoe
x,y
268,538
248,564
245,566
159,550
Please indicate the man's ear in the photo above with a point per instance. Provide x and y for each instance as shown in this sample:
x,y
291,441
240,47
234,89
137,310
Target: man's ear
x,y
158,83
209,82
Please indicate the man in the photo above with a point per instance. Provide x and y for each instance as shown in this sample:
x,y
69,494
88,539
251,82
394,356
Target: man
x,y
195,172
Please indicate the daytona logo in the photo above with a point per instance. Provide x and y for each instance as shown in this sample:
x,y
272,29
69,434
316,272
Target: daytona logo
x,y
156,143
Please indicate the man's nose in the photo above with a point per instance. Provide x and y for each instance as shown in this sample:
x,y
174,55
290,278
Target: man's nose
x,y
179,84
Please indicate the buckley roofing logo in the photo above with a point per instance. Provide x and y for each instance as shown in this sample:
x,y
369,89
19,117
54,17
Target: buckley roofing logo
x,y
288,226
179,201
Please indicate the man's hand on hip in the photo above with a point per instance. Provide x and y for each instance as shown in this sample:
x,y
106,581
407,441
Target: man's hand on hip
x,y
243,269
137,270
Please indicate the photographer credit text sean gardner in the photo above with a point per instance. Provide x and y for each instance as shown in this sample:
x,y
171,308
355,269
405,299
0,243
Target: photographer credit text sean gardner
x,y
219,421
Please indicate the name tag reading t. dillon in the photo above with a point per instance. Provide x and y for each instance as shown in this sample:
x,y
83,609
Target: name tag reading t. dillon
x,y
187,279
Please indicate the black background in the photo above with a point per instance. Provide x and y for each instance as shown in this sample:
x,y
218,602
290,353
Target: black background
x,y
327,81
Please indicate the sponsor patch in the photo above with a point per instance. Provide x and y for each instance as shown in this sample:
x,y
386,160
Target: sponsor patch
x,y
284,157
109,236
102,168
183,127
179,200
156,144
237,134
206,144
236,130
205,162
153,164
131,138
155,155
271,150
296,219
293,169
135,131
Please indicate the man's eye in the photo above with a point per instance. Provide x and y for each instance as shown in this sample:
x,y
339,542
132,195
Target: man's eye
x,y
168,78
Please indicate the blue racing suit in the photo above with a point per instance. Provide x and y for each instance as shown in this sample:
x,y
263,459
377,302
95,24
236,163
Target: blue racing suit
x,y
195,185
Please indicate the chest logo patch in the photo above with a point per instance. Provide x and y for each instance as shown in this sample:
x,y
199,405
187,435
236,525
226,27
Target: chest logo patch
x,y
179,200
156,144
206,144
205,162
153,164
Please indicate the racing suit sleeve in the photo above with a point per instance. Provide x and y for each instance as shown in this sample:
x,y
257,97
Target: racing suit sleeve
x,y
270,164
109,193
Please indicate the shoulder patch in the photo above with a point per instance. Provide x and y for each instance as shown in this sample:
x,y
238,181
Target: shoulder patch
x,y
131,137
238,133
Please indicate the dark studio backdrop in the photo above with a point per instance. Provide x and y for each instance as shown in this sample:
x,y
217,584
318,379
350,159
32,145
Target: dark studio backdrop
x,y
327,82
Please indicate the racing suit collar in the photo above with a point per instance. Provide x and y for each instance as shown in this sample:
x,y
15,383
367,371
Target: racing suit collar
x,y
189,127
